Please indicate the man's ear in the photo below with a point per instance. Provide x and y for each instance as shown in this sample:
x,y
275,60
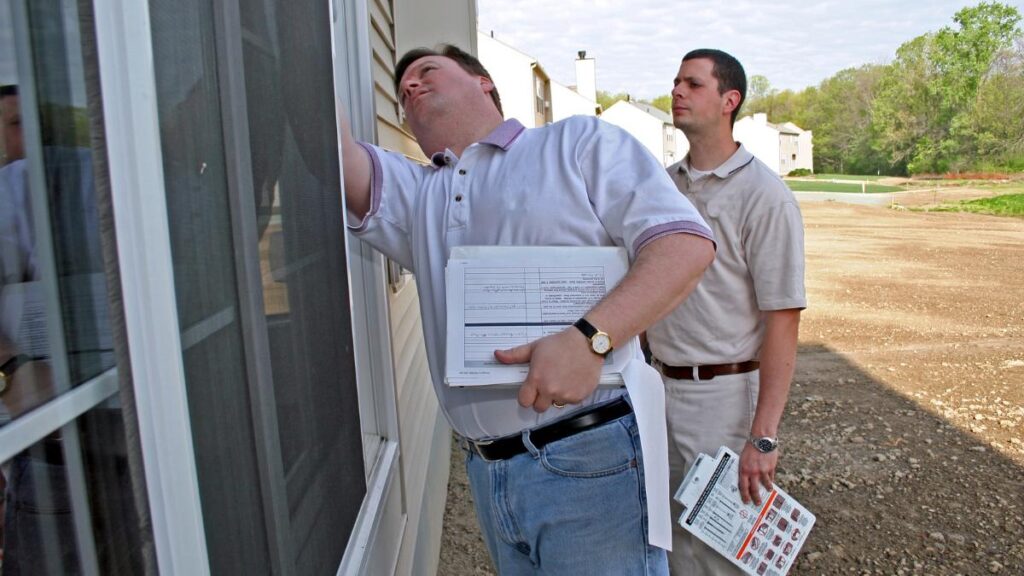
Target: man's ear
x,y
732,101
487,84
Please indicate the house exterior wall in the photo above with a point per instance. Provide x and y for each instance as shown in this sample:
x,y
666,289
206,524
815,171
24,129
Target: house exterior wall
x,y
513,75
789,148
650,131
762,140
565,102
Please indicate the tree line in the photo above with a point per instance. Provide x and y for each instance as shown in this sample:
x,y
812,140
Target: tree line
x,y
950,101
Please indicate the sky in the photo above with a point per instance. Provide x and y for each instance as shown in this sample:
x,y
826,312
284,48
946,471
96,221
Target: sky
x,y
637,44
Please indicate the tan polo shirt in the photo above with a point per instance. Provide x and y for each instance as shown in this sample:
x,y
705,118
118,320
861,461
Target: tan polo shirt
x,y
759,265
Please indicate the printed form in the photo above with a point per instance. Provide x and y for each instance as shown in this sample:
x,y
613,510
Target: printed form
x,y
500,297
762,540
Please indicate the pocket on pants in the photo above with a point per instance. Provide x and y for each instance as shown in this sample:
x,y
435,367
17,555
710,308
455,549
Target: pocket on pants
x,y
606,450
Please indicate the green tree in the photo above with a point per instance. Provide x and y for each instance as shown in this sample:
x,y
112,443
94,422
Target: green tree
x,y
758,87
663,103
840,113
606,99
996,125
923,116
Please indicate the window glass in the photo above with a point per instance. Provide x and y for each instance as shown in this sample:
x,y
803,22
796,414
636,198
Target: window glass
x,y
292,481
70,504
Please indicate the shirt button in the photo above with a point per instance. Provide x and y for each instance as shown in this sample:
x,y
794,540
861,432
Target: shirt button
x,y
458,197
462,172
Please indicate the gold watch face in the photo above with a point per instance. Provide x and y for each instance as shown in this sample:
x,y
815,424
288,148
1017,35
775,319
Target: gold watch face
x,y
601,343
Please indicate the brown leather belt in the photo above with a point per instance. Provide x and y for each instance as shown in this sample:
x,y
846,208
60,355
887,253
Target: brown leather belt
x,y
706,372
587,418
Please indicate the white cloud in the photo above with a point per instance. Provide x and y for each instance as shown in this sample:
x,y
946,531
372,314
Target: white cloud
x,y
638,44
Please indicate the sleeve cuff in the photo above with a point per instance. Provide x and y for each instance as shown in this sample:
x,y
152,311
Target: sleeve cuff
x,y
376,186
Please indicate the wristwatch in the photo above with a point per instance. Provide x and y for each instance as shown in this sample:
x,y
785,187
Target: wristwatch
x,y
764,444
8,368
600,342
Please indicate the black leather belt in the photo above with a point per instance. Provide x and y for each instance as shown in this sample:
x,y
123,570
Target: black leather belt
x,y
706,372
509,446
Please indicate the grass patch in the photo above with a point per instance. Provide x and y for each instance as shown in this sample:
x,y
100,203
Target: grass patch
x,y
847,177
1005,205
812,186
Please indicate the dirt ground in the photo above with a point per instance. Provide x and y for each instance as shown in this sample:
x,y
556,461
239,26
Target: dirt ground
x,y
904,431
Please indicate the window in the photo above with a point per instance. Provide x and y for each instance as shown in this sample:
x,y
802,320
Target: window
x,y
245,100
73,501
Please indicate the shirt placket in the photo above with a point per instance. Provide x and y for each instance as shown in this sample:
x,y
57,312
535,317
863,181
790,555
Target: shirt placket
x,y
458,195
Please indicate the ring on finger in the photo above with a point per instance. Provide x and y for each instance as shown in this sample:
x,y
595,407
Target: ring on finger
x,y
558,404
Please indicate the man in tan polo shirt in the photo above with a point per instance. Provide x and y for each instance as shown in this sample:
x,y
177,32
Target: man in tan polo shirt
x,y
727,353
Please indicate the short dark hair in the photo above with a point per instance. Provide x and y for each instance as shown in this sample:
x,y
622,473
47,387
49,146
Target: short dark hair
x,y
727,70
8,90
464,59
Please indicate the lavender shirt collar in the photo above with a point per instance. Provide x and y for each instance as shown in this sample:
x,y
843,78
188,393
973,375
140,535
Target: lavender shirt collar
x,y
501,137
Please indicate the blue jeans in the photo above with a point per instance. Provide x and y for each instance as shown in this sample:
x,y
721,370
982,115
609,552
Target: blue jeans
x,y
38,528
576,506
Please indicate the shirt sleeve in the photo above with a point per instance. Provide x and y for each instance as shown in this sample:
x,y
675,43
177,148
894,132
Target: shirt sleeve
x,y
774,246
393,189
631,193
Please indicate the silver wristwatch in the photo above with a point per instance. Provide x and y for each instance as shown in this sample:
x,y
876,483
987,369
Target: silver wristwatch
x,y
764,444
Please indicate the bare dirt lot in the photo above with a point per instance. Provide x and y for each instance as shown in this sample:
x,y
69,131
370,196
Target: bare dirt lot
x,y
904,431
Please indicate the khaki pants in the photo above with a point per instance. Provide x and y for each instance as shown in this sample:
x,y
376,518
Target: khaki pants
x,y
703,416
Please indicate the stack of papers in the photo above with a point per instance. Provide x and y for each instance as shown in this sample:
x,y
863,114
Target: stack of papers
x,y
762,540
500,297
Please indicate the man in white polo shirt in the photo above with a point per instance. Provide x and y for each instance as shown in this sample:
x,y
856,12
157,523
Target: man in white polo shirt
x,y
728,352
555,469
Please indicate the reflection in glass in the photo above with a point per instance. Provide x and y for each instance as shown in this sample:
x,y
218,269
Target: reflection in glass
x,y
39,535
267,342
54,312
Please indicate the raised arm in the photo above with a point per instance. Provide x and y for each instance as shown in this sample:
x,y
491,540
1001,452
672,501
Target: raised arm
x,y
357,169
563,368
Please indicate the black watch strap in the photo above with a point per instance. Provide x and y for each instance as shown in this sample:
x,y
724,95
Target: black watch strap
x,y
586,327
8,368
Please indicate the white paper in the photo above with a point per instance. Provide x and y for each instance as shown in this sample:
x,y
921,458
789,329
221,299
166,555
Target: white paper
x,y
23,318
647,393
762,540
500,297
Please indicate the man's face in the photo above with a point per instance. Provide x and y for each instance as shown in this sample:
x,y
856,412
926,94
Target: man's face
x,y
696,104
10,120
436,85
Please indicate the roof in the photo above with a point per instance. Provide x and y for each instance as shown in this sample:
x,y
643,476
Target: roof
x,y
657,113
653,111
785,129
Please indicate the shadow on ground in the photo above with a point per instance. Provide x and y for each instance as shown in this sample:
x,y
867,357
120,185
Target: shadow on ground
x,y
896,488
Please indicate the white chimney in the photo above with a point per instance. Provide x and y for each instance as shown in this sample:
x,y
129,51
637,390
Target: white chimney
x,y
586,76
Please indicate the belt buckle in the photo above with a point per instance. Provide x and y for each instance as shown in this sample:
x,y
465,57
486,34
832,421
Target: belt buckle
x,y
476,448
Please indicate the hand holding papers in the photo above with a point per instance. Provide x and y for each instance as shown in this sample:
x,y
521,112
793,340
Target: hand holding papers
x,y
762,540
499,297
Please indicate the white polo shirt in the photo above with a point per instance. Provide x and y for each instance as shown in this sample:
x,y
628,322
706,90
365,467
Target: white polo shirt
x,y
578,182
759,264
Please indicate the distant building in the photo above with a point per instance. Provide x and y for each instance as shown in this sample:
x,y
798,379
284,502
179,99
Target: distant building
x,y
783,147
527,92
652,127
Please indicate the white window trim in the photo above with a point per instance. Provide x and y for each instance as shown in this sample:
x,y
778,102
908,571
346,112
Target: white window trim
x,y
136,174
23,432
376,536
